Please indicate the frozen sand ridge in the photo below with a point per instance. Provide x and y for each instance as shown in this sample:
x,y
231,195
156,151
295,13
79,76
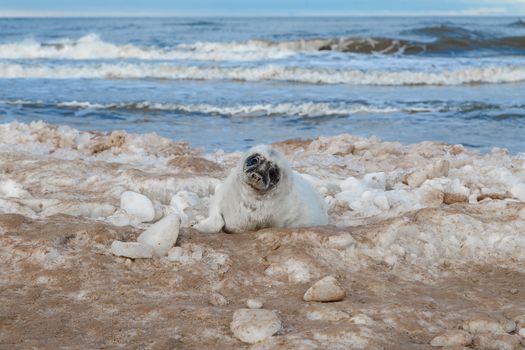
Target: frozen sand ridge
x,y
473,202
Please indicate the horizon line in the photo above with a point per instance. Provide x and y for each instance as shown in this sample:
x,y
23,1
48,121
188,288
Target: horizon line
x,y
484,12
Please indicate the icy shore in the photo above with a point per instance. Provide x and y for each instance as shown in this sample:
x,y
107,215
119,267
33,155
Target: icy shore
x,y
422,239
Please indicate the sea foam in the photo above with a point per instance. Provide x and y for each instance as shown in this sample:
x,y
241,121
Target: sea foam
x,y
492,74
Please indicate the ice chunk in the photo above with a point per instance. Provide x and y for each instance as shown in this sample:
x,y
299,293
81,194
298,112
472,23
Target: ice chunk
x,y
162,235
12,189
137,205
133,250
518,191
352,186
184,199
375,180
438,169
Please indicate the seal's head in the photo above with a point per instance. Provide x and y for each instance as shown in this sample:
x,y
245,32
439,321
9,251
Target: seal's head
x,y
263,168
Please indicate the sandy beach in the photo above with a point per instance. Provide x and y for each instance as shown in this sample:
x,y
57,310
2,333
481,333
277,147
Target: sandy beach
x,y
426,240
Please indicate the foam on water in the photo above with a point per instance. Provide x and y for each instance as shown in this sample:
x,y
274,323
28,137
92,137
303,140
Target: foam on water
x,y
450,39
492,74
92,47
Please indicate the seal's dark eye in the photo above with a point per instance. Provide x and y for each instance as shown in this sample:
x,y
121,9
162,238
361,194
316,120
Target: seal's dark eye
x,y
252,160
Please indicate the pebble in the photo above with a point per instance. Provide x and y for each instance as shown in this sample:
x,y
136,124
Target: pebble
x,y
522,333
489,341
484,324
341,241
138,206
452,338
324,313
188,254
133,250
326,289
162,235
254,304
520,321
217,299
252,326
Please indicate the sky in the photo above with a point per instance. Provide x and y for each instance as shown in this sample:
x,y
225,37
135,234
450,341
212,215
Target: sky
x,y
9,8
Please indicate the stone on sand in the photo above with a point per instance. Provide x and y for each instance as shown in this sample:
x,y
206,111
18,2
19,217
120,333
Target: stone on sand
x,y
485,324
490,341
254,303
162,235
254,325
217,299
133,250
326,289
452,338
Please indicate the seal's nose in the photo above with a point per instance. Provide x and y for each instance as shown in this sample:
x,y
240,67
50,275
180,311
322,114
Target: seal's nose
x,y
256,177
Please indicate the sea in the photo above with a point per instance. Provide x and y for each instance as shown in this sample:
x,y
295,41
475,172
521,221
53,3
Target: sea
x,y
231,83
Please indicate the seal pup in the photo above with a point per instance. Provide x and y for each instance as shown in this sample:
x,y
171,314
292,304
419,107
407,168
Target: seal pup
x,y
263,191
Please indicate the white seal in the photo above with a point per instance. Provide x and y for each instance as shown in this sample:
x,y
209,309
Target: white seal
x,y
263,191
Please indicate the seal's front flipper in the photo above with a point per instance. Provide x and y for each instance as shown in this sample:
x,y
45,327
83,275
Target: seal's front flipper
x,y
213,224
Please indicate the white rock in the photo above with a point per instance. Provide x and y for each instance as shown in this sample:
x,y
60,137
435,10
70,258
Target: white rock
x,y
362,319
188,254
162,235
254,304
340,241
252,326
452,338
326,289
489,341
138,206
217,299
522,333
520,321
133,250
325,313
484,324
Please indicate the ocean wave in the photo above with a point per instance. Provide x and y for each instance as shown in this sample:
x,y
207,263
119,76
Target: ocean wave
x,y
92,47
306,109
309,75
518,24
446,40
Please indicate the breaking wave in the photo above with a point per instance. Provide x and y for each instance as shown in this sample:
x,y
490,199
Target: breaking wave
x,y
443,39
312,75
306,109
92,47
